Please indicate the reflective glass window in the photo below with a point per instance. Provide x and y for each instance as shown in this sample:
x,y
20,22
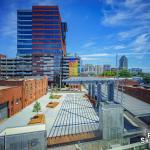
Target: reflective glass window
x,y
24,36
24,41
24,22
24,46
25,18
45,17
47,27
24,13
46,31
47,41
55,12
46,36
24,27
24,32
45,22
46,45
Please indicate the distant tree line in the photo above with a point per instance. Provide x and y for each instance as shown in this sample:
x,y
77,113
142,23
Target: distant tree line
x,y
125,74
121,73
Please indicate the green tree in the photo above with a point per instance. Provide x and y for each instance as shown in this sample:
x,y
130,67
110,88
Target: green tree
x,y
146,78
109,73
37,107
56,89
92,74
51,94
124,73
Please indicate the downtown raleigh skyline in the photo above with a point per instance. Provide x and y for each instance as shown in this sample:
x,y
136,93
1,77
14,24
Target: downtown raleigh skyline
x,y
41,48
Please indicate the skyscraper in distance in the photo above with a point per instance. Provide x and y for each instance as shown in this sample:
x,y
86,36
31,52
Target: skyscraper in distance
x,y
123,62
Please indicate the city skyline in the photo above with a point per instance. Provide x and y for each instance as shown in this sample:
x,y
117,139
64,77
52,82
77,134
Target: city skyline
x,y
114,31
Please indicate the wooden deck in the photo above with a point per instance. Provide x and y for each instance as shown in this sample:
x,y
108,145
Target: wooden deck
x,y
51,141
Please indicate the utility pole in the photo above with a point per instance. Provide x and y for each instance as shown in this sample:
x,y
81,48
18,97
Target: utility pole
x,y
116,65
60,80
117,75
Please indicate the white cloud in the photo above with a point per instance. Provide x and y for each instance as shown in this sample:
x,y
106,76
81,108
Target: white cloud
x,y
96,55
142,39
89,58
133,16
141,43
118,47
98,60
110,2
127,13
47,2
135,54
115,19
88,44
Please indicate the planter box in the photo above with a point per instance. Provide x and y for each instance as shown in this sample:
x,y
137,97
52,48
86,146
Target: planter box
x,y
40,118
52,104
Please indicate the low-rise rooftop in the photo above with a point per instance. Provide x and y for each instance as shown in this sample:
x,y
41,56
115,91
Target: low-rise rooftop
x,y
5,87
25,78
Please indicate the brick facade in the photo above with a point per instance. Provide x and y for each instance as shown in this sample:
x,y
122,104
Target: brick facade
x,y
26,90
13,97
137,92
2,56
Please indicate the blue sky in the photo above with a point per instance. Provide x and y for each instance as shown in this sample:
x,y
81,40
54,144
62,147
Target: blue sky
x,y
97,29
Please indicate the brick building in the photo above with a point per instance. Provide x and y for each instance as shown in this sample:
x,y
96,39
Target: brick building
x,y
11,100
21,92
2,56
134,89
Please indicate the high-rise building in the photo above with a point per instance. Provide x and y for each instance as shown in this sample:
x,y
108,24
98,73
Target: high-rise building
x,y
71,66
89,68
41,31
24,32
123,62
107,67
135,70
98,69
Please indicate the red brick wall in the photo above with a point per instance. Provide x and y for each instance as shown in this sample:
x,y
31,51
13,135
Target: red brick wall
x,y
13,96
138,92
28,92
2,56
128,82
31,90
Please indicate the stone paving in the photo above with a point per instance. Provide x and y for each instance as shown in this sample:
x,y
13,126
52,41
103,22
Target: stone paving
x,y
23,117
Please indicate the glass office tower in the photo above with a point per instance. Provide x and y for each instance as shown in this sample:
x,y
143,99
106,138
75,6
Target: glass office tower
x,y
24,32
41,31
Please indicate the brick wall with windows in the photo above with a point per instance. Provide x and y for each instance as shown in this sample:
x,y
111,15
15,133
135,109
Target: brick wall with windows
x,y
22,92
12,96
